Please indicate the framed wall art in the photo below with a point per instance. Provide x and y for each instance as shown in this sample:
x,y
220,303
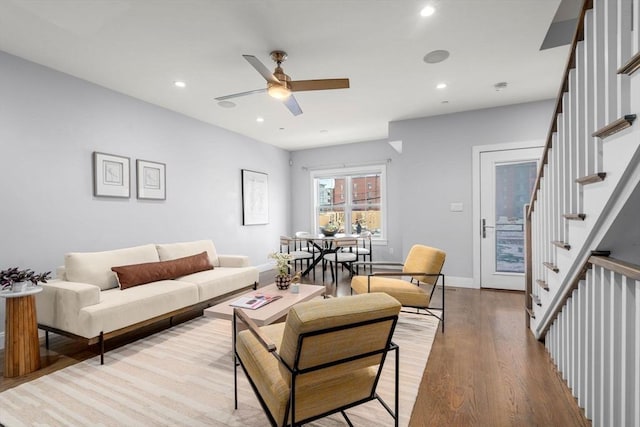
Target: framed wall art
x,y
110,175
255,198
151,180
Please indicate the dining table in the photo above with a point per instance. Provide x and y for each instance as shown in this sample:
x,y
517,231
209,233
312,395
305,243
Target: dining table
x,y
323,245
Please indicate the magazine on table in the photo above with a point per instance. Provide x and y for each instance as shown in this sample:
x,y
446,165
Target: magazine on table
x,y
255,301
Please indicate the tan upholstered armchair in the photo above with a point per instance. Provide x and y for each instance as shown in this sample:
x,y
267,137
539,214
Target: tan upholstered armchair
x,y
423,264
327,357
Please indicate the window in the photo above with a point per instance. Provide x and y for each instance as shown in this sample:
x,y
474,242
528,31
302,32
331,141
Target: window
x,y
352,198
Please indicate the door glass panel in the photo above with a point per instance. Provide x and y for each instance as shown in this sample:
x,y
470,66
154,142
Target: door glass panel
x,y
514,183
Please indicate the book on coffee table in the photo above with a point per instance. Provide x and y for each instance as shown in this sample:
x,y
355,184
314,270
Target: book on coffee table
x,y
255,301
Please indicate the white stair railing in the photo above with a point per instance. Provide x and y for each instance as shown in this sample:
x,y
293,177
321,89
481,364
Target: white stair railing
x,y
588,171
595,342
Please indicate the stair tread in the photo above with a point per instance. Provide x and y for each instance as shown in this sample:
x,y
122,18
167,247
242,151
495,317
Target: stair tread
x,y
551,266
575,216
592,179
561,244
536,299
615,126
544,285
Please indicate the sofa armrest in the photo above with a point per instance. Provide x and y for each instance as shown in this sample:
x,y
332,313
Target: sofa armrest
x,y
60,302
233,260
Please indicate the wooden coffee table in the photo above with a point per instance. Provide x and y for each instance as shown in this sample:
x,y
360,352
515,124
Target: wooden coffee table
x,y
271,312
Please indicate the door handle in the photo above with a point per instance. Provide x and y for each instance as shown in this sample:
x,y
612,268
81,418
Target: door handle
x,y
484,228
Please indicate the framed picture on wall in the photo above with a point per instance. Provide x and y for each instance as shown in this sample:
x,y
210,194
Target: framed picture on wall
x,y
110,175
255,198
151,180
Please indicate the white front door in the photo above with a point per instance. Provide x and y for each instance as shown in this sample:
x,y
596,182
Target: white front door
x,y
506,180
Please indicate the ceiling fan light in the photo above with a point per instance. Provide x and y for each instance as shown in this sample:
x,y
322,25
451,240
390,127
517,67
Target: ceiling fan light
x,y
278,91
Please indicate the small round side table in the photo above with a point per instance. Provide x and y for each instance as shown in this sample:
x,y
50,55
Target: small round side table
x,y
21,343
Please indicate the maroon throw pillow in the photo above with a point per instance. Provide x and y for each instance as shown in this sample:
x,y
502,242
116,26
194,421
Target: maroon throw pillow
x,y
140,274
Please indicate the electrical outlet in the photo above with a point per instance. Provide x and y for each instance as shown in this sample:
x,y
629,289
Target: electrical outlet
x,y
391,251
455,207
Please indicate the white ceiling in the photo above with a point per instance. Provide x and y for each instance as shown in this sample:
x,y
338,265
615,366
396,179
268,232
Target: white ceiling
x,y
140,47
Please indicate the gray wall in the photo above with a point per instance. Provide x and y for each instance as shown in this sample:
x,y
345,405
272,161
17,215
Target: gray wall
x,y
50,123
433,170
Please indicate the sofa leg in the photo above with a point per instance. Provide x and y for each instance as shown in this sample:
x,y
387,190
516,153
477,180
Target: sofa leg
x,y
101,348
46,339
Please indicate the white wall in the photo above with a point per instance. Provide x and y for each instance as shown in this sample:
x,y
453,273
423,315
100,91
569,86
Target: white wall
x,y
433,170
50,123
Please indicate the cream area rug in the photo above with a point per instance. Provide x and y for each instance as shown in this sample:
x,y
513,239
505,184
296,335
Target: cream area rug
x,y
183,376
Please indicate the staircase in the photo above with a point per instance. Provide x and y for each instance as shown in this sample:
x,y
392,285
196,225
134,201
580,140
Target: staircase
x,y
583,221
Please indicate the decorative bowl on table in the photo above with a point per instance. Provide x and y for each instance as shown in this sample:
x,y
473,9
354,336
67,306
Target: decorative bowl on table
x,y
328,232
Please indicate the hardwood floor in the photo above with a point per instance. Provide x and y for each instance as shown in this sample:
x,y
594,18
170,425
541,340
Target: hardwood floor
x,y
487,369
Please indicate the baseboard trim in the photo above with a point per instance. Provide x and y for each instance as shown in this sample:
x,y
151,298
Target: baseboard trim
x,y
460,282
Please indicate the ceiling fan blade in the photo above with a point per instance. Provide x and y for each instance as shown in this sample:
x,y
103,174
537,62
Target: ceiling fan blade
x,y
260,67
323,84
292,105
236,95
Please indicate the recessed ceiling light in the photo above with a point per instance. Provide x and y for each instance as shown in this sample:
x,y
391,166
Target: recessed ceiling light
x,y
500,86
444,102
226,104
441,86
427,11
179,84
260,119
436,56
323,131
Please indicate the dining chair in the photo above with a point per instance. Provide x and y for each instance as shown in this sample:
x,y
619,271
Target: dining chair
x,y
342,253
288,245
365,250
304,243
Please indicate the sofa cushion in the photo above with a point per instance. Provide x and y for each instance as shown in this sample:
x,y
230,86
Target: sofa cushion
x,y
140,274
119,309
221,280
95,267
408,294
169,251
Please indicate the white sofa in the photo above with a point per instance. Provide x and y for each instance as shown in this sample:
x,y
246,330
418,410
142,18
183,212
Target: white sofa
x,y
86,301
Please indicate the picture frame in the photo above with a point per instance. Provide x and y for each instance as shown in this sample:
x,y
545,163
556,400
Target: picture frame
x,y
255,197
151,180
111,175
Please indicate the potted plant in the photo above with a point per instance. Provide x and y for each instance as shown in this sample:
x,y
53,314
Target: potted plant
x,y
18,280
283,278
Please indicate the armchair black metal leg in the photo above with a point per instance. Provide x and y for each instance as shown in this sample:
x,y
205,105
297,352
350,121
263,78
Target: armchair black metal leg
x,y
235,383
397,385
443,287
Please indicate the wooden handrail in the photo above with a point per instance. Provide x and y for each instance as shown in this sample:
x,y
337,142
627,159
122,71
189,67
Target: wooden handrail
x,y
578,36
632,271
600,258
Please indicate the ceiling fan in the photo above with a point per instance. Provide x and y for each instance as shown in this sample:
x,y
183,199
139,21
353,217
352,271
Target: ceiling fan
x,y
280,85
